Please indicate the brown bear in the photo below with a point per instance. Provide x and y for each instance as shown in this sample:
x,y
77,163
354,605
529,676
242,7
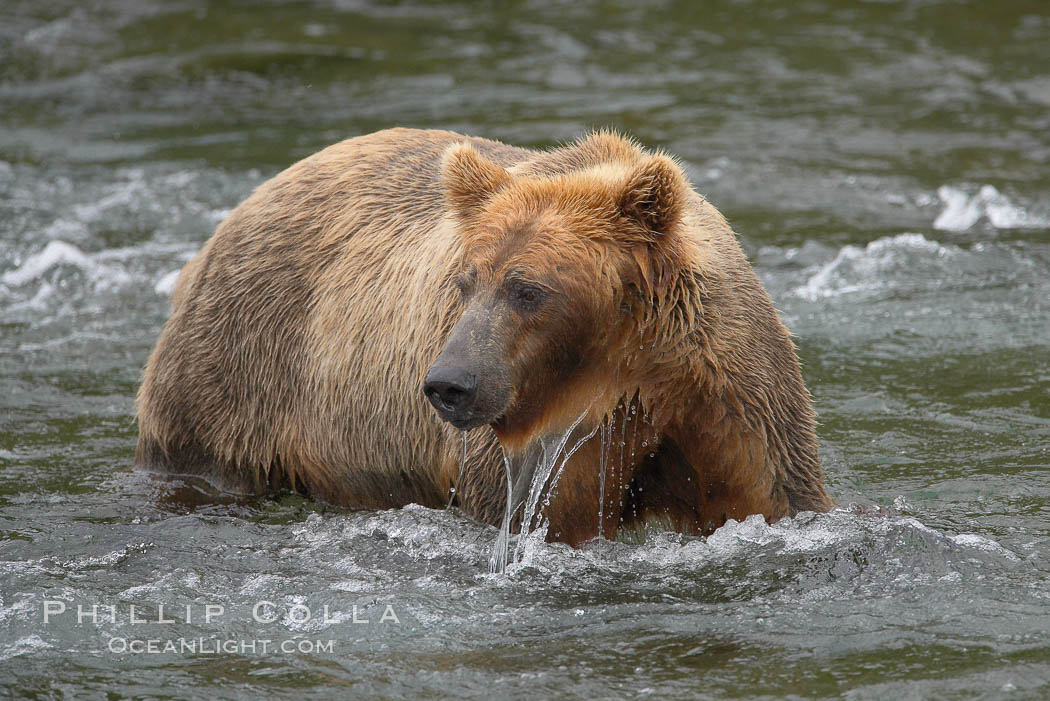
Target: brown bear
x,y
581,309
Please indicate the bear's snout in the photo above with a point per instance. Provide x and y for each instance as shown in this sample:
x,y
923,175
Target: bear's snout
x,y
452,391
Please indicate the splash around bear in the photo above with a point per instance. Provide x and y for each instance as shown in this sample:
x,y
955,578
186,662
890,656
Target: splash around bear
x,y
400,301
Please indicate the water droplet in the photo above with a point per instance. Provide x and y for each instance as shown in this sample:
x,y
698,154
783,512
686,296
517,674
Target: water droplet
x,y
652,455
645,444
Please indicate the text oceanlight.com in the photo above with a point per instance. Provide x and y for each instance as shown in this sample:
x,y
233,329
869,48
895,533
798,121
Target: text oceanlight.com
x,y
212,646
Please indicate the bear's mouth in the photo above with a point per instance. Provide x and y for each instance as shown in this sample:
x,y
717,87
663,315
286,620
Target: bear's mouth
x,y
472,420
465,423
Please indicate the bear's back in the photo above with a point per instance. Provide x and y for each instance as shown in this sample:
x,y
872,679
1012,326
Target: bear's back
x,y
306,322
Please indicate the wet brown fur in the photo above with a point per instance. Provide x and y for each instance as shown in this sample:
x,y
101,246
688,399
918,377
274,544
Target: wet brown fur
x,y
302,331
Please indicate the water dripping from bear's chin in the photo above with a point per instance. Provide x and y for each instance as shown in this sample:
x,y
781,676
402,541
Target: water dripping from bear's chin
x,y
545,456
459,477
553,447
498,561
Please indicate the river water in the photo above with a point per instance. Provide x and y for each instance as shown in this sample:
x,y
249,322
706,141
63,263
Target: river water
x,y
888,168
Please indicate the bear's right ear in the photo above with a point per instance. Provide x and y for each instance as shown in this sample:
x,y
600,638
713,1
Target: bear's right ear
x,y
654,196
470,179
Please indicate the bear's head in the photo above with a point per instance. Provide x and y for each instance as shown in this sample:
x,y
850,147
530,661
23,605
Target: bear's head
x,y
561,277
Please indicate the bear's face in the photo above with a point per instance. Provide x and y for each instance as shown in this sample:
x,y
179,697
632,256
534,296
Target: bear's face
x,y
554,270
536,313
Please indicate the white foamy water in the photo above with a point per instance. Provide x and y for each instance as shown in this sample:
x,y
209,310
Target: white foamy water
x,y
61,278
166,284
964,208
59,257
859,269
55,253
446,548
29,645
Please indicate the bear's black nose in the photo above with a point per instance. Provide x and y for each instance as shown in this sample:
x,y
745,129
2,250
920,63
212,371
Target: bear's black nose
x,y
451,390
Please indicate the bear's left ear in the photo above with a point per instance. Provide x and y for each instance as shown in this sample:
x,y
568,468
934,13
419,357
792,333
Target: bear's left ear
x,y
654,196
470,179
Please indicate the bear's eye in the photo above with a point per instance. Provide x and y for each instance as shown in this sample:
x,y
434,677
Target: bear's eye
x,y
527,297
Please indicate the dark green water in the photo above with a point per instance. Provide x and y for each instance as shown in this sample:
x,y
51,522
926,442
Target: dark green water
x,y
888,168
